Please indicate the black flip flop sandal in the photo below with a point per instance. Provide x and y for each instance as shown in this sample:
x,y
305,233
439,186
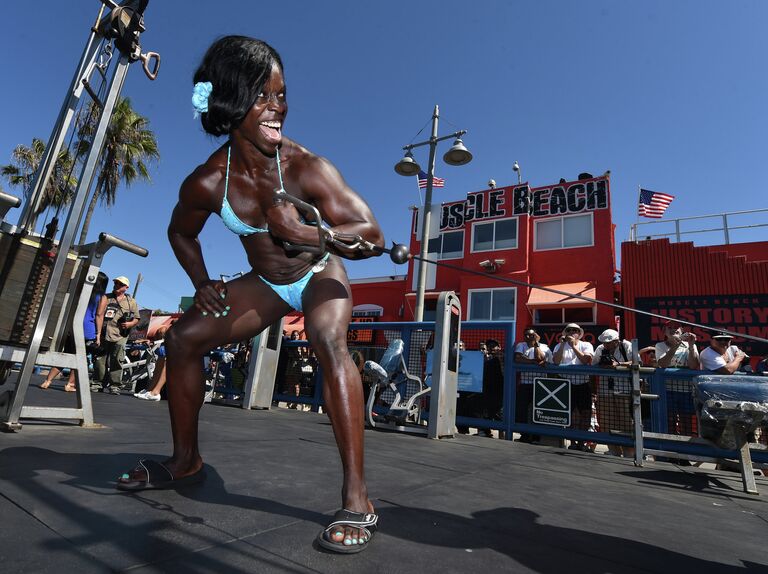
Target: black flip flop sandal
x,y
158,478
348,519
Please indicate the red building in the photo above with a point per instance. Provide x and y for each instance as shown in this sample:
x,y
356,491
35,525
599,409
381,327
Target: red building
x,y
720,286
559,236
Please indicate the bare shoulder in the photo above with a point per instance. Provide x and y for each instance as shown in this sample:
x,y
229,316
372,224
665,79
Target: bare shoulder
x,y
204,187
312,172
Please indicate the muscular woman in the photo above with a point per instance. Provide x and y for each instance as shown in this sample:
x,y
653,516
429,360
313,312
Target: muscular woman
x,y
240,93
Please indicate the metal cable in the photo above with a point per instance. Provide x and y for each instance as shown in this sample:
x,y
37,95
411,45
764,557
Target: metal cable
x,y
588,299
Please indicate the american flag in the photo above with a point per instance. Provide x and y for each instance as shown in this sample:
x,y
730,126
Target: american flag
x,y
653,203
436,181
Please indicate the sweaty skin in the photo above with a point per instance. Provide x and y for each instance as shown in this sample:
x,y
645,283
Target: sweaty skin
x,y
245,306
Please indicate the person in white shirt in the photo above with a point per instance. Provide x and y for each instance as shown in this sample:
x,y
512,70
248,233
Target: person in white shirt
x,y
613,352
678,349
571,350
722,357
533,352
614,412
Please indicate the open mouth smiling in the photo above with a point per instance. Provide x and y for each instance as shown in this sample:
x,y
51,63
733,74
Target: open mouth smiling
x,y
271,131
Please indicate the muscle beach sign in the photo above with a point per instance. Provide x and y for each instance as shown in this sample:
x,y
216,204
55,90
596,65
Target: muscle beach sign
x,y
562,199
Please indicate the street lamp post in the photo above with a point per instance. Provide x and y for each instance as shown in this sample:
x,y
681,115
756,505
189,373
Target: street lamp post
x,y
457,155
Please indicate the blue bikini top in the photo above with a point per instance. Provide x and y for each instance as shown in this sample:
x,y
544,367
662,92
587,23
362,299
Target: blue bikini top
x,y
230,218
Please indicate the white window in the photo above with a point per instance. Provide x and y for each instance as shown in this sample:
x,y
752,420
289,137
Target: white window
x,y
492,304
494,235
564,232
449,245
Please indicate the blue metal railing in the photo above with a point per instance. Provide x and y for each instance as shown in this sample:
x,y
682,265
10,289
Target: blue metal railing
x,y
672,413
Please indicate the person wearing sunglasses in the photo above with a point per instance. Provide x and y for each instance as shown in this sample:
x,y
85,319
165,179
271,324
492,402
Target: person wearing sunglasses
x,y
572,351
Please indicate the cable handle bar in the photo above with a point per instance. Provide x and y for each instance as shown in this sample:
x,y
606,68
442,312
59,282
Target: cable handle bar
x,y
326,236
150,58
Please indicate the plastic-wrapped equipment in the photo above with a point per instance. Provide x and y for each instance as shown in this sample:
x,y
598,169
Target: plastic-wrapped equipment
x,y
730,407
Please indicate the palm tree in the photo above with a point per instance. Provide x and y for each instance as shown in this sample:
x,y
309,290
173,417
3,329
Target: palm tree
x,y
21,172
128,145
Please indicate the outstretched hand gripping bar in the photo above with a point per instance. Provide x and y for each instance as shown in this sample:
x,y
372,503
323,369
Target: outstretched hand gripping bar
x,y
347,241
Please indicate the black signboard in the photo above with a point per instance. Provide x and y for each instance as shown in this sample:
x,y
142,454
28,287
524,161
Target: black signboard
x,y
737,313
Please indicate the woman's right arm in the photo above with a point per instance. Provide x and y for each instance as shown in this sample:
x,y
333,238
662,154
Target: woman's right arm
x,y
188,218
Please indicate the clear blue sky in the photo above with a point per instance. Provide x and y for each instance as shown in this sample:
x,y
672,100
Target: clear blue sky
x,y
667,95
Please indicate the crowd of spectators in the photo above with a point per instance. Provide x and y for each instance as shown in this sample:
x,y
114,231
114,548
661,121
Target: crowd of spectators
x,y
598,399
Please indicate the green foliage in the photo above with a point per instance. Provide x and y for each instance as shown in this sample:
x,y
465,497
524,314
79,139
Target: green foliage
x,y
20,172
128,147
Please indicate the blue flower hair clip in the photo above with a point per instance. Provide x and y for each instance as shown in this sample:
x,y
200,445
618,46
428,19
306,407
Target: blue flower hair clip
x,y
200,97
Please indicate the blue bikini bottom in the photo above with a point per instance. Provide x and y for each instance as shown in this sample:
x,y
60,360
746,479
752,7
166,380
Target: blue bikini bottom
x,y
293,292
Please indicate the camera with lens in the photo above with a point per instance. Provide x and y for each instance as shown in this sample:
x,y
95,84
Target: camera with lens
x,y
127,317
606,360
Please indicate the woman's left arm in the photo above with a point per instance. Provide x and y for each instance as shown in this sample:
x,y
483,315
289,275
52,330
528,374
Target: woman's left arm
x,y
340,207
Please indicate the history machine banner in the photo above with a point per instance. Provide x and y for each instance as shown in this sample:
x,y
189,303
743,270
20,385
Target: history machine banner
x,y
561,199
738,313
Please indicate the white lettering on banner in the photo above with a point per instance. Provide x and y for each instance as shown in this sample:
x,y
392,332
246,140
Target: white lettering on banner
x,y
540,202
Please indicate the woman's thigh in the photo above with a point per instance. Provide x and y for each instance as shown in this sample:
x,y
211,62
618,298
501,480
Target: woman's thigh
x,y
253,307
328,306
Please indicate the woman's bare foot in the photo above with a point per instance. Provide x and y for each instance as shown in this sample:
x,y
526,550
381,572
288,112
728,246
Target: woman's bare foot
x,y
177,469
350,536
45,384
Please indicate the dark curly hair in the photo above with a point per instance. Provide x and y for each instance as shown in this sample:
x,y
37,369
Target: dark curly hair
x,y
237,67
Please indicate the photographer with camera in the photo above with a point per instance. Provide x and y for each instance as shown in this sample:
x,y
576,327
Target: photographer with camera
x,y
678,349
612,351
614,407
573,351
121,315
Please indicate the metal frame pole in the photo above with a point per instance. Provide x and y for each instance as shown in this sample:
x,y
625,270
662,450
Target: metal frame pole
x,y
426,220
28,216
637,410
259,385
442,397
70,227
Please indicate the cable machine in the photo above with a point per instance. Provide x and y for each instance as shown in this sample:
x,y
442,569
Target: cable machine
x,y
42,278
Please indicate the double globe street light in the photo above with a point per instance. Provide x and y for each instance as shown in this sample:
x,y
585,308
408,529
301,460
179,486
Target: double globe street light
x,y
457,155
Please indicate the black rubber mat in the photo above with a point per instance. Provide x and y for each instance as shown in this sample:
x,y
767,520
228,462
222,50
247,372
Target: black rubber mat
x,y
469,504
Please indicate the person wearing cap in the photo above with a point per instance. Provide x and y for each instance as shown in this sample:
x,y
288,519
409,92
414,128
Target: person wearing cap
x,y
613,412
612,352
120,316
571,350
677,350
722,357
